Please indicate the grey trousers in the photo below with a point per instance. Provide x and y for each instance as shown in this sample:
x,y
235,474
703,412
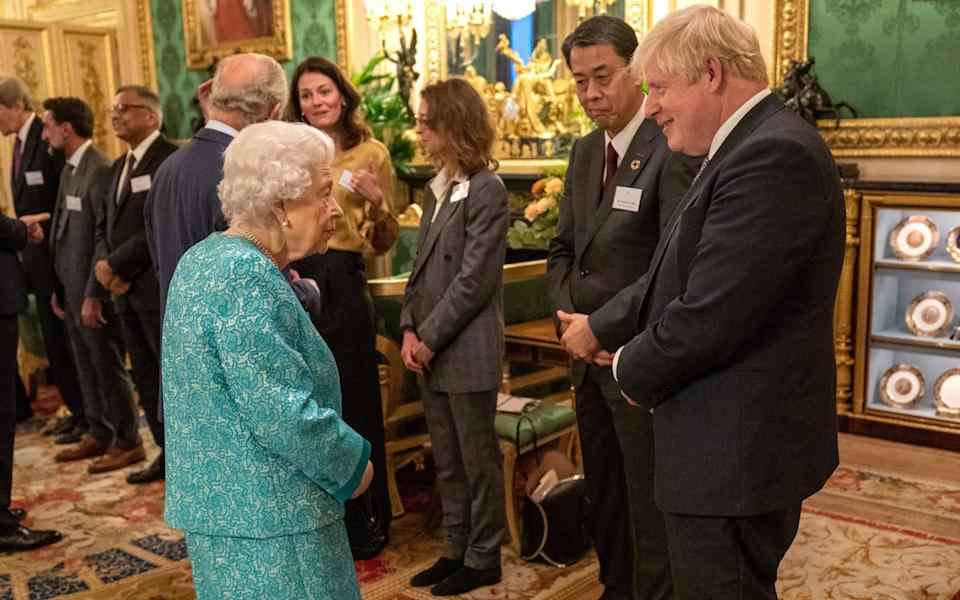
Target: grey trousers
x,y
469,474
107,389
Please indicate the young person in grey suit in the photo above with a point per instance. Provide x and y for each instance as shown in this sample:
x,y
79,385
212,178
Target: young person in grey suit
x,y
34,179
735,351
84,305
452,321
618,178
126,269
14,235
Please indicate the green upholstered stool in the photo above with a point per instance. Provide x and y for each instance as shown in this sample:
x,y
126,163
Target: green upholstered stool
x,y
554,423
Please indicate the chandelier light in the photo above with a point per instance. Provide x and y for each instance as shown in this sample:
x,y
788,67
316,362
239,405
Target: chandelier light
x,y
387,15
514,10
468,18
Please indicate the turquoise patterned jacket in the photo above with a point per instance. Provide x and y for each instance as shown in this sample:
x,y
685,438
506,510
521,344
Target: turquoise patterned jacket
x,y
255,444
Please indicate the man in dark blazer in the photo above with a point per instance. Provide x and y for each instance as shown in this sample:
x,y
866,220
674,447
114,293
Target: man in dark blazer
x,y
609,225
34,180
183,207
127,270
735,352
83,304
14,235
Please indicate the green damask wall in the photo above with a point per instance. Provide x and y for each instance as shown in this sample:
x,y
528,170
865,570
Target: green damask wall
x,y
314,32
889,58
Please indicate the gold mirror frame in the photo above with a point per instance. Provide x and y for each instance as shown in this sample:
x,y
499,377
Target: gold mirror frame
x,y
636,13
897,136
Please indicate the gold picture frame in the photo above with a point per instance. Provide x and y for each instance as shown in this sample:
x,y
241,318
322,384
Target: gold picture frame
x,y
890,137
209,36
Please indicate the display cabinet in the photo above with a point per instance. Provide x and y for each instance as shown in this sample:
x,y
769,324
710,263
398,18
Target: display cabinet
x,y
907,335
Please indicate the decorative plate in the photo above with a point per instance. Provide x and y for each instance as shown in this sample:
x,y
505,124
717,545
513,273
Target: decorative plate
x,y
946,393
953,244
914,238
930,314
902,386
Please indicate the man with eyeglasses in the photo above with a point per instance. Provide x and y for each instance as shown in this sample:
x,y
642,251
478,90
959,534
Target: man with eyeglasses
x,y
126,268
620,177
34,180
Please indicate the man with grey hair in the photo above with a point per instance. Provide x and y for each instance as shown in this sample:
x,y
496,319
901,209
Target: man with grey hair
x,y
34,181
735,351
183,207
125,267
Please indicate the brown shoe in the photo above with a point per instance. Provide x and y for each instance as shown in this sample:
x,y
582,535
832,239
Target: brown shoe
x,y
89,447
117,458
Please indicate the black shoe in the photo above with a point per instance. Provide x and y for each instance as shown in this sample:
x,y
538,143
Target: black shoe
x,y
61,425
73,436
443,568
370,549
18,513
22,539
465,580
155,472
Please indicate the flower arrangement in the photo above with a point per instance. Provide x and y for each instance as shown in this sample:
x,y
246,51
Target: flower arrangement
x,y
540,215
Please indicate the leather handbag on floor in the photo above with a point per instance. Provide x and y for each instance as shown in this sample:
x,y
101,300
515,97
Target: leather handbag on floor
x,y
555,511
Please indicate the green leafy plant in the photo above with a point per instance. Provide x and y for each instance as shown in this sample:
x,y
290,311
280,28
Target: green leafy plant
x,y
385,111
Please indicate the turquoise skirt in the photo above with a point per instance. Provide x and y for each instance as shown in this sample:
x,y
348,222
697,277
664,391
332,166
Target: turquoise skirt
x,y
316,565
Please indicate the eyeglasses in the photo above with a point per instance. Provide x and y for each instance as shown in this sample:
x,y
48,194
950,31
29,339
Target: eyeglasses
x,y
122,109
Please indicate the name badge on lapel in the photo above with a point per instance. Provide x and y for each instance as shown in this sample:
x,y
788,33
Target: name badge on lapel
x,y
34,177
627,198
74,203
140,184
345,179
460,191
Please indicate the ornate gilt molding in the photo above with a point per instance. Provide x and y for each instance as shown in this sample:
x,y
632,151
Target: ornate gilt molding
x,y
435,42
889,137
843,314
923,137
637,14
343,56
24,66
148,62
93,92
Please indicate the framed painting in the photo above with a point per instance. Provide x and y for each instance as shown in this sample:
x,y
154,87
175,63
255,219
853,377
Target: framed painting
x,y
216,28
893,60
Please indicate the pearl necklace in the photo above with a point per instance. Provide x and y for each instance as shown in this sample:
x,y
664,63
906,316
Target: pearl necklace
x,y
259,245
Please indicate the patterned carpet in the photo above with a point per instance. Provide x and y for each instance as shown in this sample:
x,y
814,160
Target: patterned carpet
x,y
117,547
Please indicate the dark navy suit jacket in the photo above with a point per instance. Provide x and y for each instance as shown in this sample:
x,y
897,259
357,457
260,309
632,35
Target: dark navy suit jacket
x,y
183,207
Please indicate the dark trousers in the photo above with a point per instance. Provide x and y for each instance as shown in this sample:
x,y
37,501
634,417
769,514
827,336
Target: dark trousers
x,y
107,391
466,453
627,528
62,369
8,411
729,558
347,326
141,333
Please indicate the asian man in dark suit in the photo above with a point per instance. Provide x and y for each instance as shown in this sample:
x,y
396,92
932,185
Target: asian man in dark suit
x,y
14,235
609,225
34,180
82,303
735,352
127,269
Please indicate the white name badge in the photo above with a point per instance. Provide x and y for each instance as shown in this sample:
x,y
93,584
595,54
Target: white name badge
x,y
345,178
627,198
460,191
140,184
34,177
74,203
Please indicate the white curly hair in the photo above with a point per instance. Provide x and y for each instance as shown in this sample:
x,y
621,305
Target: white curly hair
x,y
268,163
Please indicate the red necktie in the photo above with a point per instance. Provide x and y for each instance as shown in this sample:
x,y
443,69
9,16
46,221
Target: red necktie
x,y
611,166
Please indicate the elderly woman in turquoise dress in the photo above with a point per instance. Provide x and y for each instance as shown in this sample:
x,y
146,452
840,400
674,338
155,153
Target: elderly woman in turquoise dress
x,y
259,460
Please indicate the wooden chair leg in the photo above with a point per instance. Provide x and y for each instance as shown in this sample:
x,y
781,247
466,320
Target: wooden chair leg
x,y
512,517
396,502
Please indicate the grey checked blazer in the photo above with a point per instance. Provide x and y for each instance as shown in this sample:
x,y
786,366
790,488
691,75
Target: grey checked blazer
x,y
454,296
72,233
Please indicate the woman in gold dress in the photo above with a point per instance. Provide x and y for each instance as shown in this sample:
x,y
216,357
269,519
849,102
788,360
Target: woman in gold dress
x,y
321,96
